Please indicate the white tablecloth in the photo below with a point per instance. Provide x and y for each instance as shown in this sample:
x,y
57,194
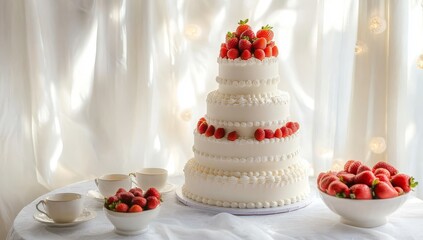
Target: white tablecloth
x,y
177,221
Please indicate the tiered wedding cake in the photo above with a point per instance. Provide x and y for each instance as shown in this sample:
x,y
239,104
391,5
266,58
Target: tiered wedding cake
x,y
246,150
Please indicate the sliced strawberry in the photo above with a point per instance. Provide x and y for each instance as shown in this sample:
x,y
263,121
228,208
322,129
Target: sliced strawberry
x,y
243,26
290,132
404,181
297,126
284,131
392,170
200,122
219,133
259,134
360,191
338,189
210,131
232,136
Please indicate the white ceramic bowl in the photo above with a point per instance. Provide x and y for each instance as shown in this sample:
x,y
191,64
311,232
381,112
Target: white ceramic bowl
x,y
131,223
363,213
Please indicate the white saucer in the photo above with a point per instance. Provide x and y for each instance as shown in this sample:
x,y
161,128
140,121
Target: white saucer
x,y
242,211
86,215
96,195
167,188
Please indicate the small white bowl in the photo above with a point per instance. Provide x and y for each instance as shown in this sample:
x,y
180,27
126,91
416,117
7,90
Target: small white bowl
x,y
131,223
363,213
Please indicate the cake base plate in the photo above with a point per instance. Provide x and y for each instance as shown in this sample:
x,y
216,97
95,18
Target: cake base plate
x,y
242,211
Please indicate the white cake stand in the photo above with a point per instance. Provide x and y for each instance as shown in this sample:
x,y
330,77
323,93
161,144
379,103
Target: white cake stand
x,y
242,211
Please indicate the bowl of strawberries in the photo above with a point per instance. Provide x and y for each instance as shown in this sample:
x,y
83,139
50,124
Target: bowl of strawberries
x,y
131,211
365,196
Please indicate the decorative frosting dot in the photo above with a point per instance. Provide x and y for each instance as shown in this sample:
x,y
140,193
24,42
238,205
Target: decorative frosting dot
x,y
242,205
218,203
251,205
226,204
234,205
281,203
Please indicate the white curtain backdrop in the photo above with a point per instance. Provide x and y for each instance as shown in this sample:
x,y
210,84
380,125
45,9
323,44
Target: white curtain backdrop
x,y
91,87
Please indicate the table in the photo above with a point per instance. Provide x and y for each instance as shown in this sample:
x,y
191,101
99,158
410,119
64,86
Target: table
x,y
177,221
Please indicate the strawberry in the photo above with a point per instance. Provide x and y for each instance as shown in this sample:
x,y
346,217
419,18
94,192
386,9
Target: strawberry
x,y
271,44
203,127
366,177
382,171
290,132
152,192
275,51
384,178
112,199
360,191
232,136
404,181
347,178
268,133
231,41
268,52
246,54
244,44
219,133
363,168
135,208
319,177
138,193
399,190
248,33
120,190
392,170
297,126
259,134
284,131
338,189
243,26
135,189
125,197
266,32
233,53
278,133
200,122
141,201
382,190
210,131
121,207
152,202
347,165
291,125
260,43
223,45
223,52
354,167
326,180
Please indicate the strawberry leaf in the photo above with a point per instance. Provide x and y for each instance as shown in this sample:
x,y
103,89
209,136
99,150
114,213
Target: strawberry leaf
x,y
413,184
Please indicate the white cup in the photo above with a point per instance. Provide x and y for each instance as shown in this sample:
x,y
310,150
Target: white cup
x,y
108,184
151,177
62,207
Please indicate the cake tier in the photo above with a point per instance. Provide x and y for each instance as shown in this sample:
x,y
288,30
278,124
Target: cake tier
x,y
246,113
256,190
250,76
246,154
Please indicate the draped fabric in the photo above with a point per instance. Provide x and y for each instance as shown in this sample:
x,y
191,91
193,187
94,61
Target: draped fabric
x,y
92,87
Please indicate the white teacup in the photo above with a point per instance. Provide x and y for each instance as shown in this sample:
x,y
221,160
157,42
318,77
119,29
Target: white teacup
x,y
108,184
151,177
62,207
